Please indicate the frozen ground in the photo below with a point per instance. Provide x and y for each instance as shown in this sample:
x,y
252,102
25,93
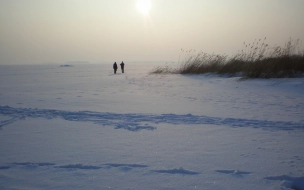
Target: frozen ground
x,y
82,127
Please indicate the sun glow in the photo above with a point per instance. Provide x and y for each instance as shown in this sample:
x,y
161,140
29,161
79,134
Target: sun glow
x,y
144,6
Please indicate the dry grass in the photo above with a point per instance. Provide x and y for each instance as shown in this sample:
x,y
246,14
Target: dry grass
x,y
256,60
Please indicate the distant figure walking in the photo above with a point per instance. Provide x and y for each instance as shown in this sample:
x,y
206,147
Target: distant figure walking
x,y
122,65
115,67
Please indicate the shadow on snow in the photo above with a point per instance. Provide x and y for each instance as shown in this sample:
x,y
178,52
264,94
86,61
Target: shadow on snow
x,y
137,122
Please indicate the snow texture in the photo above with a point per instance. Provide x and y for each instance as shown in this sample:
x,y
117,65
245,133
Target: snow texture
x,y
133,122
79,126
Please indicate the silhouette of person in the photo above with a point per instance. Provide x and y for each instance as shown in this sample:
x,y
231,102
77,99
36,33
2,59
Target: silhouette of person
x,y
115,67
122,65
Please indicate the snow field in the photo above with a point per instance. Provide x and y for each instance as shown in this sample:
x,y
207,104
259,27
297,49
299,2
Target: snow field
x,y
83,127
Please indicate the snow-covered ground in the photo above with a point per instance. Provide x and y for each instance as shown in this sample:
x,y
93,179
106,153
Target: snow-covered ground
x,y
82,127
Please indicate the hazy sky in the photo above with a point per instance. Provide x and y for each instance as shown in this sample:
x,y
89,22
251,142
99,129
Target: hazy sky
x,y
40,31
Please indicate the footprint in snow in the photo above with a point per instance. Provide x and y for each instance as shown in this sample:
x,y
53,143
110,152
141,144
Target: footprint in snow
x,y
233,172
296,183
177,171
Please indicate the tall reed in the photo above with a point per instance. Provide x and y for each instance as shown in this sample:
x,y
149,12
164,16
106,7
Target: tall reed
x,y
256,60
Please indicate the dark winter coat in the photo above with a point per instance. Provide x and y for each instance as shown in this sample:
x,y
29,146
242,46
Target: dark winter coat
x,y
122,65
115,66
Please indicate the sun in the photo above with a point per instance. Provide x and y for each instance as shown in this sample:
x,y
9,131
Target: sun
x,y
144,6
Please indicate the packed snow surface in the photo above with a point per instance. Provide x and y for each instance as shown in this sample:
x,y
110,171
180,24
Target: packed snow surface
x,y
82,127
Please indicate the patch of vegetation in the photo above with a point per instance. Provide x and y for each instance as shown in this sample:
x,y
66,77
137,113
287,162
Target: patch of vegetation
x,y
256,60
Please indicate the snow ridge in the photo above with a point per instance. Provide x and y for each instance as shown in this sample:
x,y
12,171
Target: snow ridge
x,y
137,122
125,167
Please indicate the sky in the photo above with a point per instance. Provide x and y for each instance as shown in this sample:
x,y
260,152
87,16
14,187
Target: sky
x,y
59,31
